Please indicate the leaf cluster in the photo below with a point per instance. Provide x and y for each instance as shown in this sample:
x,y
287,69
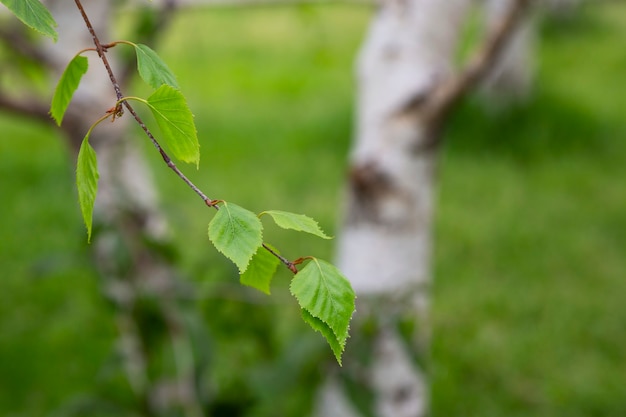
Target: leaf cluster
x,y
167,104
325,296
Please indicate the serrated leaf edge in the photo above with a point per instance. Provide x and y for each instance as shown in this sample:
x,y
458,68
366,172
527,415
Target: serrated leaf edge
x,y
339,338
53,34
242,268
275,267
138,50
154,110
341,345
319,232
58,118
87,211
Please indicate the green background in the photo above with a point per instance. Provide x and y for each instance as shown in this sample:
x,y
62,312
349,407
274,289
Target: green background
x,y
530,268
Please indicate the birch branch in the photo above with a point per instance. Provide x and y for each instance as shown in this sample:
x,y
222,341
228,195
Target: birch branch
x,y
25,107
438,104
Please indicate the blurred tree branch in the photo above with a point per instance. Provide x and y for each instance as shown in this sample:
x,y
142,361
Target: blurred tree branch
x,y
484,59
130,248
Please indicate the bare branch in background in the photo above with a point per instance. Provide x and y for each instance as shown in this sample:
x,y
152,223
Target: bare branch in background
x,y
437,105
15,38
25,107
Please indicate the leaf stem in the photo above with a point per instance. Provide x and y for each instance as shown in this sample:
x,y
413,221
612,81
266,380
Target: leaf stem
x,y
285,261
168,161
97,122
100,49
139,99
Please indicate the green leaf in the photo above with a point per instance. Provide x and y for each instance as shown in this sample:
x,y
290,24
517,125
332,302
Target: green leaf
x,y
67,86
318,325
298,222
169,107
237,233
87,181
152,69
326,294
260,270
34,15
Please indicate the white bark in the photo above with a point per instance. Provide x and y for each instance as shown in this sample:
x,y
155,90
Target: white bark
x,y
407,51
385,242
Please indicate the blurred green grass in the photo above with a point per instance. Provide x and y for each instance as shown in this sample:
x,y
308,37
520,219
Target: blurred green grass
x,y
530,232
531,235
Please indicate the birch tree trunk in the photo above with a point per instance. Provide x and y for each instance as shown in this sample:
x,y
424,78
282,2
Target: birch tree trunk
x,y
407,87
385,243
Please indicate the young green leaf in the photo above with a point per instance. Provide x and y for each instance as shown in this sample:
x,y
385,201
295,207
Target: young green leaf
x,y
298,222
260,270
152,69
67,86
34,15
337,346
169,107
237,233
326,294
87,181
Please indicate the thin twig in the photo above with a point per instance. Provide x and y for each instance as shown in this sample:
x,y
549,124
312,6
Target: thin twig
x,y
285,261
101,49
118,92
